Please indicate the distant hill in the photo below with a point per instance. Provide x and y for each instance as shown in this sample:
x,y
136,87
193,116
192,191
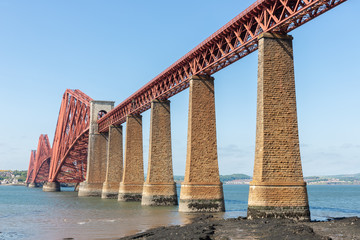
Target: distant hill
x,y
329,179
355,176
226,178
346,176
334,179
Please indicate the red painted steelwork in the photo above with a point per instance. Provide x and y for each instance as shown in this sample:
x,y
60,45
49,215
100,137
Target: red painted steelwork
x,y
235,40
29,177
42,160
68,160
39,161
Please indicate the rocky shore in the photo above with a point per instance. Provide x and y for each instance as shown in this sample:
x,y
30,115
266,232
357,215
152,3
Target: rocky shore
x,y
207,227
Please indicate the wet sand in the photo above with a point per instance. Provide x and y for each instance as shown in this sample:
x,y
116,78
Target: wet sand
x,y
207,227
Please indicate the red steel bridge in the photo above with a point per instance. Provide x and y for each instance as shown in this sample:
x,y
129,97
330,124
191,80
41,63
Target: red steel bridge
x,y
66,161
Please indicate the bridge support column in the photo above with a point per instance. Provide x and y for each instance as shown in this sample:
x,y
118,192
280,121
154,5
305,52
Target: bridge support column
x,y
131,186
201,190
277,189
114,163
51,187
160,188
33,185
97,152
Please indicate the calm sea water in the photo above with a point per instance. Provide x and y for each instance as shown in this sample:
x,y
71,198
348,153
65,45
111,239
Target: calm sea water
x,y
28,213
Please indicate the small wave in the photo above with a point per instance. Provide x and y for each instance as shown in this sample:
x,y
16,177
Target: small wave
x,y
107,220
12,235
84,222
354,211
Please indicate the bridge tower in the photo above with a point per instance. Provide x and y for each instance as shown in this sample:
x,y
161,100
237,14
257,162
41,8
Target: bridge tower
x,y
30,172
277,189
97,152
39,169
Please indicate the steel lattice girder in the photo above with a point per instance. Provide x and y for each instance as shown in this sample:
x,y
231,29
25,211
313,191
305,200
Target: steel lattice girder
x,y
74,161
43,172
29,177
71,131
41,161
233,41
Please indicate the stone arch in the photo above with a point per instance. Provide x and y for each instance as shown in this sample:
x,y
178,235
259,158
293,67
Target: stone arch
x,y
100,114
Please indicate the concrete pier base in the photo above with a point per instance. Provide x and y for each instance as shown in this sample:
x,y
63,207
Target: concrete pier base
x,y
201,190
295,213
90,189
110,190
277,189
130,192
51,187
33,185
278,201
201,198
159,195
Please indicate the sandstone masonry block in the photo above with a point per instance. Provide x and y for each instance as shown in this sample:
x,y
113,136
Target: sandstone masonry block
x,y
160,188
277,180
97,152
131,186
201,190
114,167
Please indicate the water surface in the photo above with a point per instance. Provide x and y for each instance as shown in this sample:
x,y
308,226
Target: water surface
x,y
28,213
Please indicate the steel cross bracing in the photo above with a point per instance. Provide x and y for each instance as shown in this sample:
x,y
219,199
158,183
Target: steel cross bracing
x,y
68,160
30,171
235,40
40,161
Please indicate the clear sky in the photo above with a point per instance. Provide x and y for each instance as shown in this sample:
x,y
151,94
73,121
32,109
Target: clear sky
x,y
109,49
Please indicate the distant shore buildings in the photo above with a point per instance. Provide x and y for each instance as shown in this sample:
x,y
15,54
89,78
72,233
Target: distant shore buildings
x,y
311,181
8,177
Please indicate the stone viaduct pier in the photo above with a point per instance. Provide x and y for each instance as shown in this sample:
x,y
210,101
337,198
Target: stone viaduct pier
x,y
110,165
277,189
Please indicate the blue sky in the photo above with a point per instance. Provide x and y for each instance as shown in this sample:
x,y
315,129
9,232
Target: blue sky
x,y
109,49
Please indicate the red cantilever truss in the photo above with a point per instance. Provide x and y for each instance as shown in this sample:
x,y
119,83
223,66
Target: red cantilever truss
x,y
68,160
40,161
235,40
29,177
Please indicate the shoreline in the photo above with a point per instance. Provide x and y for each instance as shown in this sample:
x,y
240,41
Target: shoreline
x,y
13,184
207,227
